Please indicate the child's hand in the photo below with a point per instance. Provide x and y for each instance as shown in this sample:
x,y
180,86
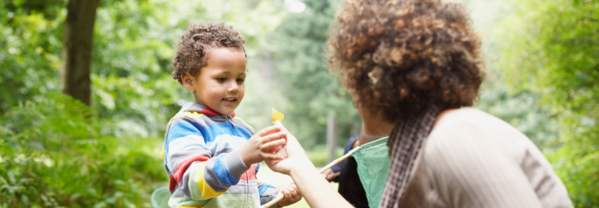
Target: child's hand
x,y
330,175
290,155
291,194
263,145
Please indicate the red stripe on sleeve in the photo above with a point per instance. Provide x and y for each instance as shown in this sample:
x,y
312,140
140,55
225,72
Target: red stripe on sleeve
x,y
180,171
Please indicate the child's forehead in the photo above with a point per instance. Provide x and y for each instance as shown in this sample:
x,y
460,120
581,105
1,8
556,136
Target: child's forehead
x,y
212,48
227,58
219,52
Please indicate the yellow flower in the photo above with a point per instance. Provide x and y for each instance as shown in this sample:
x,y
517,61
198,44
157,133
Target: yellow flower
x,y
276,116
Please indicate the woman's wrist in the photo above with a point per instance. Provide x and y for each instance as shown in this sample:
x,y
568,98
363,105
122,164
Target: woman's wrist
x,y
301,167
313,187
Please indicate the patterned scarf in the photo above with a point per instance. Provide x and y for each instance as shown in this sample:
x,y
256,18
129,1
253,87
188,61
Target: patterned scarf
x,y
405,143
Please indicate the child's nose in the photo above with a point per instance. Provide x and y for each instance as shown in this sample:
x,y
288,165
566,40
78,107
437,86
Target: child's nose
x,y
234,87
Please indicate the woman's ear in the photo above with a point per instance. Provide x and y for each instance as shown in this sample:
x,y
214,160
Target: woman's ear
x,y
188,82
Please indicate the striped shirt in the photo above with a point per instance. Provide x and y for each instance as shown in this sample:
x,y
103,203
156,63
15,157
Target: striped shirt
x,y
202,160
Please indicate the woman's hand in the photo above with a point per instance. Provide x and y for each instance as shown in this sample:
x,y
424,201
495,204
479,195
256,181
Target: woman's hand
x,y
289,155
311,185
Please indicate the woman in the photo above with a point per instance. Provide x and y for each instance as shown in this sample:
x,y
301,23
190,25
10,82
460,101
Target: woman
x,y
413,67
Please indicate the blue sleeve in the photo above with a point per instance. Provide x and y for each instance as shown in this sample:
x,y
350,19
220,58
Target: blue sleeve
x,y
267,192
193,172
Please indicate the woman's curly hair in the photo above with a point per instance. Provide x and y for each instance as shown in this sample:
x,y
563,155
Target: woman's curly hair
x,y
402,56
195,44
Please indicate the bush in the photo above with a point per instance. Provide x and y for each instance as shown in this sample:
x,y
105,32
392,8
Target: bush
x,y
553,51
52,155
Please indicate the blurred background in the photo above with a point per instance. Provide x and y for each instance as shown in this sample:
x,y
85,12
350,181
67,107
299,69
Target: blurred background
x,y
86,91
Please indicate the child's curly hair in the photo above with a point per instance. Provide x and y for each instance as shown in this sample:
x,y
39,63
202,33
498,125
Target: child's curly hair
x,y
402,56
195,44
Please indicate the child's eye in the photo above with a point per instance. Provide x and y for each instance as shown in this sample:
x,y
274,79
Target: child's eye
x,y
240,80
221,79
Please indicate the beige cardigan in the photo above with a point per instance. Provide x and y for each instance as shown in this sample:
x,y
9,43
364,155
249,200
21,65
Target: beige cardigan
x,y
473,159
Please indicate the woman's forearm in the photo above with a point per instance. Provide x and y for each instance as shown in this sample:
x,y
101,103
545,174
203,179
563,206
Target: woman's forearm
x,y
314,187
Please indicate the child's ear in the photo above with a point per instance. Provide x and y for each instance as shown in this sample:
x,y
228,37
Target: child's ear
x,y
188,82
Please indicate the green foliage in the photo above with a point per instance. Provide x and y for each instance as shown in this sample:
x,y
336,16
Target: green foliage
x,y
579,173
52,155
312,92
30,49
130,69
553,50
523,111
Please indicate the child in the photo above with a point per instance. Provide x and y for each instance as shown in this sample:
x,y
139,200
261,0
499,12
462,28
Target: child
x,y
210,155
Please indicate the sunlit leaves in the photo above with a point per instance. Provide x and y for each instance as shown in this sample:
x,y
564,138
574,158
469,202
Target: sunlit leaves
x,y
553,50
30,49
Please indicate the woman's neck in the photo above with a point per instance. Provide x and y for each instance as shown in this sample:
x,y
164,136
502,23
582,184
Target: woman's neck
x,y
385,128
443,113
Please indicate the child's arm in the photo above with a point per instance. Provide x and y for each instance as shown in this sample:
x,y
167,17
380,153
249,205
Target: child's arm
x,y
201,177
193,172
267,192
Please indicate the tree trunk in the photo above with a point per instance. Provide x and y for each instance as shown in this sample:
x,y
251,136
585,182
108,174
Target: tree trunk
x,y
331,136
77,49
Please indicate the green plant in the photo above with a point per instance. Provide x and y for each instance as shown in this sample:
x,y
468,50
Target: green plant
x,y
52,155
553,51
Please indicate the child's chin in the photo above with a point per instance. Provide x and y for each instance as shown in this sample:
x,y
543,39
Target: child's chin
x,y
225,111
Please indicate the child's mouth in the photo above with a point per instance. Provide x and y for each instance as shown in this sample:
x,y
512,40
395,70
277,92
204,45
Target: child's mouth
x,y
230,100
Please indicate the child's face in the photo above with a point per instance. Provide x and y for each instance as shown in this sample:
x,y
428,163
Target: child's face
x,y
220,85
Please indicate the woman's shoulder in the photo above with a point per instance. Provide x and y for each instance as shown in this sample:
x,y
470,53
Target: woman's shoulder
x,y
467,115
472,120
470,150
474,133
